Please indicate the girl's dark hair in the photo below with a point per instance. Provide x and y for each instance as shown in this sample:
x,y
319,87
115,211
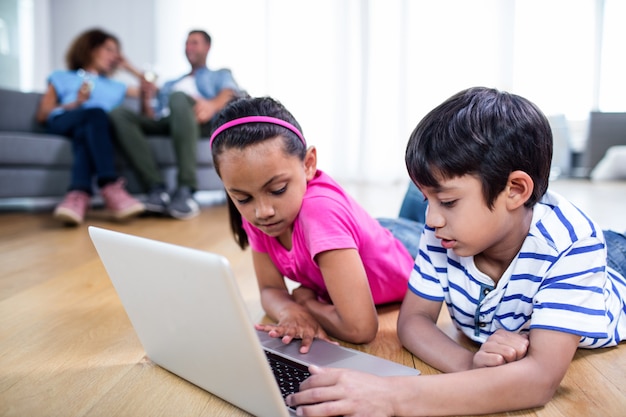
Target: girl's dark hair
x,y
79,54
244,135
486,133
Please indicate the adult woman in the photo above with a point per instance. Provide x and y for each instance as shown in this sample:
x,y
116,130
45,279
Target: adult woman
x,y
75,105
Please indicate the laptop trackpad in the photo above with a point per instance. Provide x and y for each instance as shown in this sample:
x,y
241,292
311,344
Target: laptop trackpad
x,y
321,353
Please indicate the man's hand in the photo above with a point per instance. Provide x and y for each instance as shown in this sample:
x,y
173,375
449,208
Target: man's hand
x,y
205,110
148,88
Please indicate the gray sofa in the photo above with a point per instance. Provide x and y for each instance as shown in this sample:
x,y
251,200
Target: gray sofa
x,y
35,166
606,131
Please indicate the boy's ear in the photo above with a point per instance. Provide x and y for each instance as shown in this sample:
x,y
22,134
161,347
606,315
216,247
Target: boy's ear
x,y
519,188
310,163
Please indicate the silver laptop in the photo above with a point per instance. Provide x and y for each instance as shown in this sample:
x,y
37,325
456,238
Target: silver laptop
x,y
188,313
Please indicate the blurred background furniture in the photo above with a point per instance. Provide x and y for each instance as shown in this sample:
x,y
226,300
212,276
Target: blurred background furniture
x,y
35,166
601,153
606,130
562,154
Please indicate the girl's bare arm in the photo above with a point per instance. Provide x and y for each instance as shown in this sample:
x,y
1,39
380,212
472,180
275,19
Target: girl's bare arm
x,y
293,320
352,315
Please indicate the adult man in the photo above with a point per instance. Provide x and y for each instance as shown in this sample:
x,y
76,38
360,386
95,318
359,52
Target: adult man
x,y
185,108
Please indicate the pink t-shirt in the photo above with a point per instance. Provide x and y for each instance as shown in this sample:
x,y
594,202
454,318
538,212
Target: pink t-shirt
x,y
330,219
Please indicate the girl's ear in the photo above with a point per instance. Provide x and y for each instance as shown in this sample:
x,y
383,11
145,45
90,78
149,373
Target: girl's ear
x,y
310,163
519,188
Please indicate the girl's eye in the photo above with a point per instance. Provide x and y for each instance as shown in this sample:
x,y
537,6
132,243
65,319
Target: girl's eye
x,y
448,204
242,200
279,192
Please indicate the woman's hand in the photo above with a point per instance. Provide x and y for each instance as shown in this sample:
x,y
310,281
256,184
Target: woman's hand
x,y
49,101
84,92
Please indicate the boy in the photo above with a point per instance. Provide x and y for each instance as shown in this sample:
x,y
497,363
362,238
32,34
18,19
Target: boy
x,y
522,271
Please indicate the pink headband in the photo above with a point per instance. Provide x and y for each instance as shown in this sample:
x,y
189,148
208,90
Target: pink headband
x,y
256,119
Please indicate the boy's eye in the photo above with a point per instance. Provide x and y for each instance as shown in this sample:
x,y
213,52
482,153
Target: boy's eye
x,y
448,204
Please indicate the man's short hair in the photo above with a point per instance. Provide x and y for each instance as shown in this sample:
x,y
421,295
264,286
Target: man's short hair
x,y
204,34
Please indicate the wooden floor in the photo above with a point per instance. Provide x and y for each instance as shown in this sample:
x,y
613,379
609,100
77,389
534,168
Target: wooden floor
x,y
67,347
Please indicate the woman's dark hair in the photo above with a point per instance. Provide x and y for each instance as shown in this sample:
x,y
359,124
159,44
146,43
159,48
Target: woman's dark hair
x,y
80,52
486,133
244,135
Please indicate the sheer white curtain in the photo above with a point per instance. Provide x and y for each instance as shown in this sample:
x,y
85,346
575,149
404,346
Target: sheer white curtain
x,y
359,75
612,66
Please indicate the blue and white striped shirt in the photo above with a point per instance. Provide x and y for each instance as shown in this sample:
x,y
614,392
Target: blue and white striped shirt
x,y
558,281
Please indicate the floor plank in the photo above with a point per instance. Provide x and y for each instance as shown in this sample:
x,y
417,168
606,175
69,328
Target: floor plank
x,y
68,349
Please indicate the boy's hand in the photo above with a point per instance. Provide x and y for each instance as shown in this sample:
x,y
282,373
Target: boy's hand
x,y
332,392
500,348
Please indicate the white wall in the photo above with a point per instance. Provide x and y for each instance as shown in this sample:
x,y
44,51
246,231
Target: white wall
x,y
9,43
56,23
359,74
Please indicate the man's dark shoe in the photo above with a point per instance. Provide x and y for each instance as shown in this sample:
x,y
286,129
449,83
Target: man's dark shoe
x,y
157,201
182,205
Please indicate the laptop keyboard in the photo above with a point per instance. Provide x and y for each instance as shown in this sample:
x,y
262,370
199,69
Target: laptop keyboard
x,y
288,374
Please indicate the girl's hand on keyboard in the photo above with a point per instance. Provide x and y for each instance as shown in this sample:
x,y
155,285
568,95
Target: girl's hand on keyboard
x,y
298,324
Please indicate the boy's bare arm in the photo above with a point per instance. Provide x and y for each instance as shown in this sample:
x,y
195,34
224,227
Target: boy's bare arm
x,y
418,332
500,348
527,383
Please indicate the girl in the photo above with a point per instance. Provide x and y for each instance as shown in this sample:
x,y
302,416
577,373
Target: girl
x,y
76,105
302,225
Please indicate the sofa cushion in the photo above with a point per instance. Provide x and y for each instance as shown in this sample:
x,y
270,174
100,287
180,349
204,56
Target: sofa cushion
x,y
27,150
163,150
18,111
33,182
35,164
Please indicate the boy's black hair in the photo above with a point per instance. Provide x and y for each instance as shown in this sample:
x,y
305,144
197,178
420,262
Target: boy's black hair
x,y
486,133
244,135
